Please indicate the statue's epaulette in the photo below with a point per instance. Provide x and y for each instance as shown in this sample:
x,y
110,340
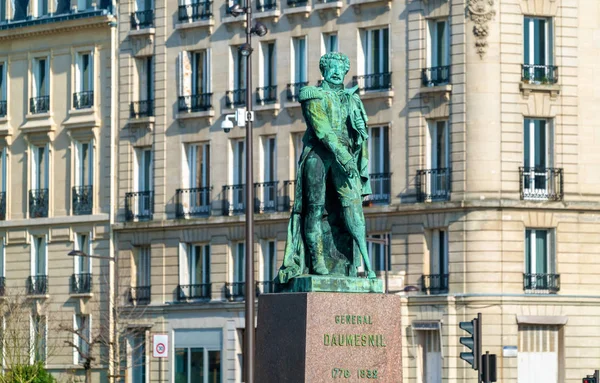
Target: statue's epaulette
x,y
310,92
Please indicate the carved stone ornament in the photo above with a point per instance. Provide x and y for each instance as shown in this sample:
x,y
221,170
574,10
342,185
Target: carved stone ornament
x,y
481,13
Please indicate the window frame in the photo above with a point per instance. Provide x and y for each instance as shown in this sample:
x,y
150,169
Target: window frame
x,y
77,260
35,250
384,54
36,74
530,251
79,340
433,157
433,43
268,64
142,271
79,74
33,331
529,40
239,252
299,59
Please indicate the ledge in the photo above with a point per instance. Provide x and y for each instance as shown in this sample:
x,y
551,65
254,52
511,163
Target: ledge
x,y
268,108
436,89
38,123
233,20
149,121
358,3
336,5
82,118
208,23
542,319
291,11
527,88
375,94
82,295
45,221
291,104
5,131
274,14
38,296
142,32
190,115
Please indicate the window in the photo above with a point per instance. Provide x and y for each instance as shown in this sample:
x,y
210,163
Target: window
x,y
82,338
3,11
431,356
41,72
239,69
194,80
145,79
269,159
137,348
269,261
378,150
83,265
538,155
39,256
540,265
538,352
41,8
85,72
330,42
84,163
39,167
194,264
2,264
144,5
297,147
82,5
239,262
268,64
238,163
437,280
141,276
439,145
3,81
38,338
376,51
197,166
299,59
378,253
3,172
144,169
538,50
438,41
198,356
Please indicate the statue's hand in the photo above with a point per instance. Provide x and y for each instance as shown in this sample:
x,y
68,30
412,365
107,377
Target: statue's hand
x,y
359,122
351,169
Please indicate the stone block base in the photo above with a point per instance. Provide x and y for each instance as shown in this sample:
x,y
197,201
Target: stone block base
x,y
331,283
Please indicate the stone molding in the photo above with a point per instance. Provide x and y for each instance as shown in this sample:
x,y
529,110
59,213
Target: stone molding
x,y
481,13
542,319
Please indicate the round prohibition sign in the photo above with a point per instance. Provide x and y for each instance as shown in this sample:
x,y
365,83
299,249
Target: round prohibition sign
x,y
160,348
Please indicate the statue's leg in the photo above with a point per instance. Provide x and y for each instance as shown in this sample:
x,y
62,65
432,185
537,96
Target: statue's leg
x,y
314,208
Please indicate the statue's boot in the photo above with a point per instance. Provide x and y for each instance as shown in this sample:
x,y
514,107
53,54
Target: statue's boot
x,y
319,266
313,234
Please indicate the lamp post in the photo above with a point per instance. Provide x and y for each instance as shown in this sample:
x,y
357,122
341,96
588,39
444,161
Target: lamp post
x,y
247,117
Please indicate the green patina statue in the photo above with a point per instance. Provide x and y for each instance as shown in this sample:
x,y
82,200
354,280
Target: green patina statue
x,y
326,231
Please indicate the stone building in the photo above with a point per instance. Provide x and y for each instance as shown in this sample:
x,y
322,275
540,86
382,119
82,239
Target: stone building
x,y
483,146
57,80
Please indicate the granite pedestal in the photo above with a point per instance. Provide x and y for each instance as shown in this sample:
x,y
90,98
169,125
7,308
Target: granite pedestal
x,y
328,337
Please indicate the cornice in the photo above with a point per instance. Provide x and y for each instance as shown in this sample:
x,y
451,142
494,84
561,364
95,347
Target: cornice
x,y
53,28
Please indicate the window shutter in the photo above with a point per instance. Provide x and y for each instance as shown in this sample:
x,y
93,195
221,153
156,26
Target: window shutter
x,y
91,71
528,251
208,71
46,167
184,272
549,42
551,251
541,251
91,163
186,165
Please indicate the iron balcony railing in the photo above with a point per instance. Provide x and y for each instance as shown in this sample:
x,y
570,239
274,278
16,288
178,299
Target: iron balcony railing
x,y
81,283
266,5
2,286
380,188
82,199
297,3
195,202
541,282
293,90
3,108
235,290
234,198
198,291
39,104
435,283
2,206
236,97
265,287
83,100
433,185
195,103
434,76
289,193
143,108
541,184
37,285
539,74
373,82
265,197
139,205
139,295
196,11
38,203
142,19
266,94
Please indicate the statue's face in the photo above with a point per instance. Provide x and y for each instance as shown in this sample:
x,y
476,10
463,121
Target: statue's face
x,y
335,72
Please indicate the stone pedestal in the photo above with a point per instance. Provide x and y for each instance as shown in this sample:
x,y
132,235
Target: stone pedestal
x,y
328,337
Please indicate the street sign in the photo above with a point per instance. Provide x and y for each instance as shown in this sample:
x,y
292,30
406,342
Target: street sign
x,y
160,345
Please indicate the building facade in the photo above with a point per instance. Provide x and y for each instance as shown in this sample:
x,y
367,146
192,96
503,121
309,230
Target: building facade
x,y
57,80
483,151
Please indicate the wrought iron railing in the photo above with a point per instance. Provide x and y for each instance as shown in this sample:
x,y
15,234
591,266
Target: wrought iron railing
x,y
142,19
433,185
195,103
193,202
297,3
139,205
265,287
380,188
234,198
3,108
143,108
265,197
266,94
2,286
236,97
39,104
435,283
235,290
266,5
289,194
201,10
83,100
542,184
37,285
373,82
38,203
539,74
139,295
2,206
293,90
541,282
81,283
83,199
198,291
434,76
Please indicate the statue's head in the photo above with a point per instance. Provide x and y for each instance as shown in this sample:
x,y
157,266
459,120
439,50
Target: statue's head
x,y
334,67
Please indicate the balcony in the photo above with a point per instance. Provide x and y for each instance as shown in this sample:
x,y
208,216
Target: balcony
x,y
435,284
2,206
142,19
39,104
381,189
376,82
541,184
201,291
266,95
83,199
37,285
325,5
195,202
266,5
289,194
2,286
139,109
265,287
433,185
234,197
297,3
235,290
38,203
435,76
83,100
140,295
81,283
539,74
235,98
3,108
541,283
265,197
195,103
293,90
139,206
195,12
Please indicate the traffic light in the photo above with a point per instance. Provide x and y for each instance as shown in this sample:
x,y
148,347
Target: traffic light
x,y
592,378
473,342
